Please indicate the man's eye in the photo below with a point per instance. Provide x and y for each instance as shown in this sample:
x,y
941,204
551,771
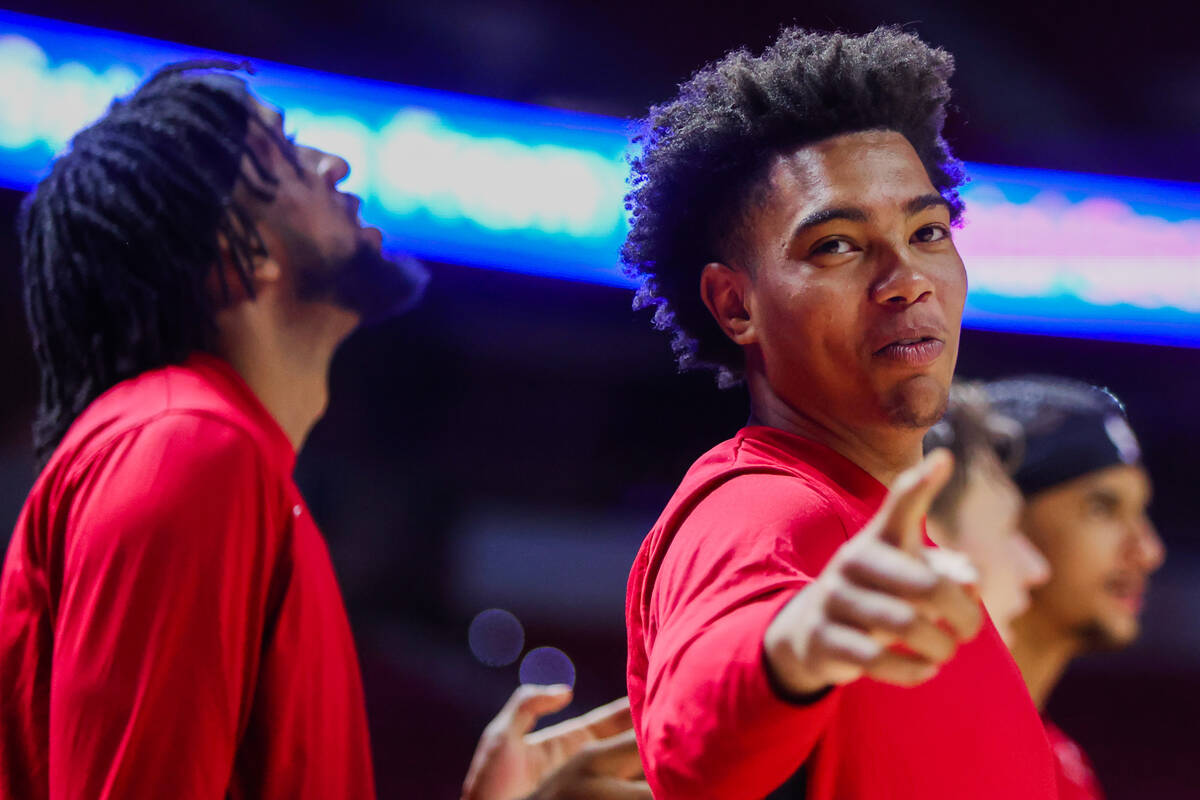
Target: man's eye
x,y
834,247
931,233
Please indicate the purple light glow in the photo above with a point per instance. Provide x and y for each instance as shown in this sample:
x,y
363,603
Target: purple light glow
x,y
547,665
496,637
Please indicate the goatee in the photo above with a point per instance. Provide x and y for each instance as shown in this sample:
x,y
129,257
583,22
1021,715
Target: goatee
x,y
375,286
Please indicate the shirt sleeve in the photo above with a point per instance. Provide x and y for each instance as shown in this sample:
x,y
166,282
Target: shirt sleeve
x,y
712,724
171,541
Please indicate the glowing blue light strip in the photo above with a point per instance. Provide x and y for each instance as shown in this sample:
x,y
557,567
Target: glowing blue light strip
x,y
538,190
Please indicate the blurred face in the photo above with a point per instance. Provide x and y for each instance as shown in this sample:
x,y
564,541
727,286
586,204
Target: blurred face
x,y
855,287
986,529
1101,547
313,231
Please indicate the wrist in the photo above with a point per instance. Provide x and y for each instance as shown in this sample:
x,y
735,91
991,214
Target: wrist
x,y
787,673
787,694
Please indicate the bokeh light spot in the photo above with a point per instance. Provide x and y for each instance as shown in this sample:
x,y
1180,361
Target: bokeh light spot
x,y
547,665
496,637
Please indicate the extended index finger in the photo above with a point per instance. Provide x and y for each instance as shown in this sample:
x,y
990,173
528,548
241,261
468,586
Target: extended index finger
x,y
910,498
527,704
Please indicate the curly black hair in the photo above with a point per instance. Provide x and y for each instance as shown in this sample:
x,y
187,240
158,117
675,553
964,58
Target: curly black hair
x,y
119,239
705,154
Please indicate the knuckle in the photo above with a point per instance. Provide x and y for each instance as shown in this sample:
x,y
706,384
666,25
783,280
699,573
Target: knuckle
x,y
823,639
851,565
590,751
926,592
904,619
975,623
941,649
835,587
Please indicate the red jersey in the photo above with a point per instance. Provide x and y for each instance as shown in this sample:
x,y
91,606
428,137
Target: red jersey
x,y
170,623
1076,778
755,520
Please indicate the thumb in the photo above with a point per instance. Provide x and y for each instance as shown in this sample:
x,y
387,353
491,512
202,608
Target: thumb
x,y
909,500
529,703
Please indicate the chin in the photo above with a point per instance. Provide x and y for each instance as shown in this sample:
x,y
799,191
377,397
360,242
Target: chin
x,y
917,402
1107,635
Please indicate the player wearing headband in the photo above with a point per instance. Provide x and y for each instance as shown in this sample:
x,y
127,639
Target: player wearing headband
x,y
1086,494
789,632
979,510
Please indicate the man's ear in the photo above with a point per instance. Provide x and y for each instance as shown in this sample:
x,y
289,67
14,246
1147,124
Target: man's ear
x,y
725,291
264,270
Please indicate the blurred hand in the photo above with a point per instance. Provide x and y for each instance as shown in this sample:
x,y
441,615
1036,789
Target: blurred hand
x,y
885,606
591,756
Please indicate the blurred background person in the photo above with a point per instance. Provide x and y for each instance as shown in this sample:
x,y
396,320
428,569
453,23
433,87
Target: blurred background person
x,y
591,756
979,510
1086,497
169,613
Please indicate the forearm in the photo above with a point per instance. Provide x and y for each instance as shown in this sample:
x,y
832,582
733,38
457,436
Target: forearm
x,y
713,724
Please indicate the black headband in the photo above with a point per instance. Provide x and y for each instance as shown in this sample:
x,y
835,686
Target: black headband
x,y
1083,443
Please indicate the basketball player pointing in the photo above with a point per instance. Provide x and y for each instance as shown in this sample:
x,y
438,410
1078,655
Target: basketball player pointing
x,y
790,629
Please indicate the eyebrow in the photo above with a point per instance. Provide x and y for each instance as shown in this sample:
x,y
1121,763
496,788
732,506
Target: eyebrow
x,y
919,204
824,215
854,214
1103,494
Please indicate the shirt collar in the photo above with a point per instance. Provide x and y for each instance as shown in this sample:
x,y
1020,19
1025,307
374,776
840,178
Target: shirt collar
x,y
229,382
851,478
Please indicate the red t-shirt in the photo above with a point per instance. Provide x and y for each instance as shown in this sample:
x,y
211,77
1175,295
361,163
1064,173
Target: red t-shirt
x,y
755,519
170,622
1076,778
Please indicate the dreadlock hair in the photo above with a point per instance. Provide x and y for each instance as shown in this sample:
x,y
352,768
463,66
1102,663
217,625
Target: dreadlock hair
x,y
705,155
119,239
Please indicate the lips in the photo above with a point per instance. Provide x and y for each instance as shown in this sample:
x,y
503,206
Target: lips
x,y
353,202
913,345
1129,592
912,352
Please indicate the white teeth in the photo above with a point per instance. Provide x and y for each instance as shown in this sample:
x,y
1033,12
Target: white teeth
x,y
908,341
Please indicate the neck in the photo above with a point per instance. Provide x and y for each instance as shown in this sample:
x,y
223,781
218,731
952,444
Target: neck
x,y
284,359
883,452
1042,653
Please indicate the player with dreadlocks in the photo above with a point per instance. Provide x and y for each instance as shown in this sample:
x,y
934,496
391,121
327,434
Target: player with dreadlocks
x,y
170,623
792,632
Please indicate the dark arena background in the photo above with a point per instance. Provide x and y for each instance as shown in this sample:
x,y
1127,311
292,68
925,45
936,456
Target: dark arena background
x,y
508,444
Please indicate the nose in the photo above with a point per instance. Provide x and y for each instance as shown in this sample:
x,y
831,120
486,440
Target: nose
x,y
901,284
1148,548
1032,566
332,168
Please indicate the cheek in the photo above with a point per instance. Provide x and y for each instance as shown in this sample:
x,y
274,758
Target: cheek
x,y
808,321
1076,572
952,287
981,548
